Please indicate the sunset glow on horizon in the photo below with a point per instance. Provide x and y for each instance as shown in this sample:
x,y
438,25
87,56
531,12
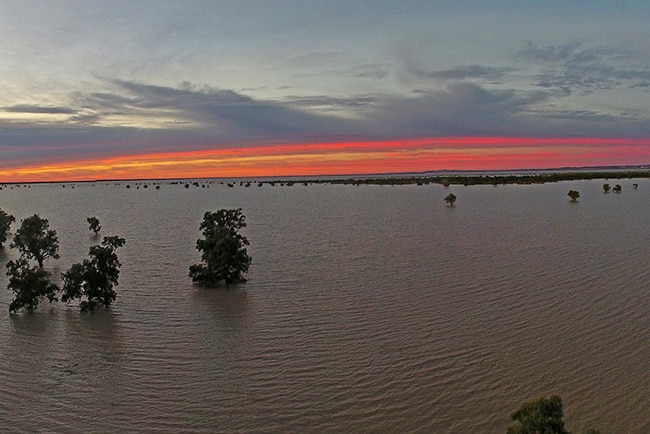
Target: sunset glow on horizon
x,y
345,158
142,90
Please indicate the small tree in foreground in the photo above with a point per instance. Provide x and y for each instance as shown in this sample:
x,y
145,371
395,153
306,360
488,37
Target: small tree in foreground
x,y
606,188
94,278
617,188
450,199
574,195
29,284
222,249
5,223
541,416
94,224
35,240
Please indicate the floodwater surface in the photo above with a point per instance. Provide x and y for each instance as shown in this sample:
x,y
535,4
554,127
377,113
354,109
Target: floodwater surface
x,y
368,309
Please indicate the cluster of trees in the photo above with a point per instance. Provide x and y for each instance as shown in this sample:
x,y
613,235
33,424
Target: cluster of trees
x,y
616,189
574,195
91,282
223,254
541,416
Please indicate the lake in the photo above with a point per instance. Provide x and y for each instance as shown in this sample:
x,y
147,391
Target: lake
x,y
368,309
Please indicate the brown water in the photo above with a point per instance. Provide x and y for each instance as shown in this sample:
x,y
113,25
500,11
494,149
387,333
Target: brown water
x,y
368,309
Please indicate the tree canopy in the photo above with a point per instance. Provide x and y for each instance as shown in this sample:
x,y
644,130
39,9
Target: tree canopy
x,y
29,284
94,224
450,199
94,278
541,416
574,195
35,240
222,248
5,223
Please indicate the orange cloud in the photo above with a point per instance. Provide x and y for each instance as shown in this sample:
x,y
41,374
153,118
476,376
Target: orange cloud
x,y
353,157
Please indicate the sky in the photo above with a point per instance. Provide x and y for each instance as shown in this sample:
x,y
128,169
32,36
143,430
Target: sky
x,y
167,89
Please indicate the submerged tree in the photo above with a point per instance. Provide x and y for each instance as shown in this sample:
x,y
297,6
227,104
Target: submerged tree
x,y
617,188
94,224
606,188
222,248
35,240
94,278
450,199
574,195
542,416
29,284
5,223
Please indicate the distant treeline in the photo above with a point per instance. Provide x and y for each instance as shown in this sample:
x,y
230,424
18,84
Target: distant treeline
x,y
445,180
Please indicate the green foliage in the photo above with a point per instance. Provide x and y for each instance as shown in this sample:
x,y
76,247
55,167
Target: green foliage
x,y
29,284
606,188
222,249
542,416
35,240
574,195
5,223
450,199
94,278
94,224
617,188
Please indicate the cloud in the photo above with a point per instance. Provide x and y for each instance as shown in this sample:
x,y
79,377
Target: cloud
x,y
36,109
217,113
130,117
572,67
371,71
471,72
328,103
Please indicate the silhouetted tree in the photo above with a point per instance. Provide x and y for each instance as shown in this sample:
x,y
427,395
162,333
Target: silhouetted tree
x,y
574,195
635,185
35,240
94,278
617,188
5,223
29,284
450,199
606,188
222,249
94,224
